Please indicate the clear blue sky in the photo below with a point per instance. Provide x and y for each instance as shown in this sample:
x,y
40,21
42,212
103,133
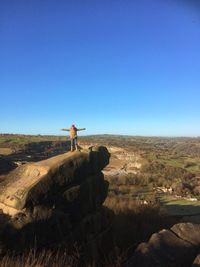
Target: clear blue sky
x,y
119,67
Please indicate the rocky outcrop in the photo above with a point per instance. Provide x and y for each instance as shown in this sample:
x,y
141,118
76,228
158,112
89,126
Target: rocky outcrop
x,y
54,200
178,247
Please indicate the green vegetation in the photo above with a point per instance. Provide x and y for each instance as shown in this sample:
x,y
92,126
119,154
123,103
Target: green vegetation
x,y
171,163
191,163
19,141
166,162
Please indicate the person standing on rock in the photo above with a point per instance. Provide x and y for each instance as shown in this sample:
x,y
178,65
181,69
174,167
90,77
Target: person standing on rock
x,y
73,136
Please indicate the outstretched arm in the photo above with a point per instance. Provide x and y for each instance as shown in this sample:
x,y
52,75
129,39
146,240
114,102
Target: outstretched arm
x,y
81,129
65,130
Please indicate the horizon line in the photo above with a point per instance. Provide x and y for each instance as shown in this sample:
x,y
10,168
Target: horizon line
x,y
108,134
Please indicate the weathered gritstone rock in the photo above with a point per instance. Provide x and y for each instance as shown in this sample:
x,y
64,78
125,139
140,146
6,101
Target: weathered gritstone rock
x,y
99,158
189,232
31,184
176,247
58,199
84,198
196,262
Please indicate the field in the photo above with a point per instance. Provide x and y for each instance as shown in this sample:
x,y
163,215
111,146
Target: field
x,y
154,183
138,165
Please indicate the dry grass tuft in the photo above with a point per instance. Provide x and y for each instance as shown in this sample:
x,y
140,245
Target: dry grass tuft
x,y
135,222
43,258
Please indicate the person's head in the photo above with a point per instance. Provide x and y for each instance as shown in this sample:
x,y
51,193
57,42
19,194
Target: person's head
x,y
73,126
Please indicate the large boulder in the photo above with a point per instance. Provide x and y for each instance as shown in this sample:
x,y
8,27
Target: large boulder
x,y
169,248
58,199
189,232
196,262
164,249
85,198
99,157
31,184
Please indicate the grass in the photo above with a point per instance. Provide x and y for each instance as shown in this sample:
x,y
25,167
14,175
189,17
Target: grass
x,y
34,258
135,222
57,258
179,161
180,207
10,140
5,151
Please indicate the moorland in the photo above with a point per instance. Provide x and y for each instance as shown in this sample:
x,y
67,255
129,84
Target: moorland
x,y
154,182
